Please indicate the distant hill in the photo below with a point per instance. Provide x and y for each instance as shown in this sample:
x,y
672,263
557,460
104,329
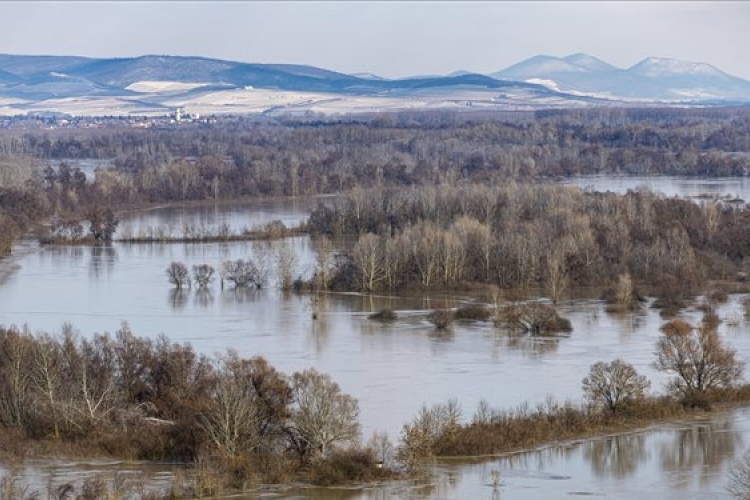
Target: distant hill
x,y
39,73
69,84
651,79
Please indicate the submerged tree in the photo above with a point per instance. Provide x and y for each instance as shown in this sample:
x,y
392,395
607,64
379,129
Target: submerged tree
x,y
178,275
103,224
242,274
203,275
698,359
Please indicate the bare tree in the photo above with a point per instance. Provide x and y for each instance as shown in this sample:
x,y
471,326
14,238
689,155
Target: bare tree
x,y
383,449
231,418
16,350
324,258
46,379
203,275
286,262
698,359
557,279
322,416
241,273
102,224
614,384
178,275
368,257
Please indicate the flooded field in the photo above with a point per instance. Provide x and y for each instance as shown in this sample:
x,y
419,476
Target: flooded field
x,y
393,368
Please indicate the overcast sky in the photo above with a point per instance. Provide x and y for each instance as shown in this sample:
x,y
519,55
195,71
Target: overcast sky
x,y
391,38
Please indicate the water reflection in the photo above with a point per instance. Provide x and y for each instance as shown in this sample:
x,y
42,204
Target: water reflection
x,y
320,314
63,256
535,346
204,298
702,450
617,456
102,260
178,298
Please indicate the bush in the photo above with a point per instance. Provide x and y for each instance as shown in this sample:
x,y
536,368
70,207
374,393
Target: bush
x,y
532,317
441,318
383,315
475,312
349,465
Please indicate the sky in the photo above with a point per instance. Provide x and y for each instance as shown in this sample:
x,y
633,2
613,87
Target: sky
x,y
391,38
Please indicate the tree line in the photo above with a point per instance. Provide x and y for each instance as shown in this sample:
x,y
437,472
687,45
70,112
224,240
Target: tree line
x,y
132,396
517,236
248,157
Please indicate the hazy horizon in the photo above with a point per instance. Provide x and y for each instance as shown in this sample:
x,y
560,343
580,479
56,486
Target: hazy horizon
x,y
391,39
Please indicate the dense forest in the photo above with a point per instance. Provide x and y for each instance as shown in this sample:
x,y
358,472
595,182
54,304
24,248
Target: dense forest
x,y
521,235
417,155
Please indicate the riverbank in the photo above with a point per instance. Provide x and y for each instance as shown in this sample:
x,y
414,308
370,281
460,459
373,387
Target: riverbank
x,y
494,433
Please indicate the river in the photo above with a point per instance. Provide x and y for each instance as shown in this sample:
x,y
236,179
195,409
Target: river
x,y
391,368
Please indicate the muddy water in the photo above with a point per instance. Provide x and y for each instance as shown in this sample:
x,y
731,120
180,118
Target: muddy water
x,y
733,187
391,368
237,216
672,461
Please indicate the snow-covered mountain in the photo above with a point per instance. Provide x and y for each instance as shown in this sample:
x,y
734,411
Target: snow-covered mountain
x,y
654,78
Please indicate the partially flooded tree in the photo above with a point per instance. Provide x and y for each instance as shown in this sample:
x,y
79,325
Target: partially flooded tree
x,y
368,257
203,275
178,275
614,384
242,274
532,317
324,258
102,224
286,262
698,358
322,416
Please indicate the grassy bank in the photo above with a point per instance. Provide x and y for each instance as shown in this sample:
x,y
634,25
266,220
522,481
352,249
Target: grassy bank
x,y
435,432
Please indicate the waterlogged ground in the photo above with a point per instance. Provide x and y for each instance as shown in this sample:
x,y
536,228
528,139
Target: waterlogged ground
x,y
391,368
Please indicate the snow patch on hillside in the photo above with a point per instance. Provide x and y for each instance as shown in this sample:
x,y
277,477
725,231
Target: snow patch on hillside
x,y
550,84
156,86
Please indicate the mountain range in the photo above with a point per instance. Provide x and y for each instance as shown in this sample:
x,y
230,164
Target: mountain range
x,y
153,84
653,78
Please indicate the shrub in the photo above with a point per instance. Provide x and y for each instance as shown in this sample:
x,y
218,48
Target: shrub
x,y
532,317
383,315
341,466
441,318
475,312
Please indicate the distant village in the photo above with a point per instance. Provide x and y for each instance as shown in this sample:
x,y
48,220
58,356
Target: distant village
x,y
53,121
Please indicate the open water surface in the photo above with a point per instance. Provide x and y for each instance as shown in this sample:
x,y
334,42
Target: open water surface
x,y
391,368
